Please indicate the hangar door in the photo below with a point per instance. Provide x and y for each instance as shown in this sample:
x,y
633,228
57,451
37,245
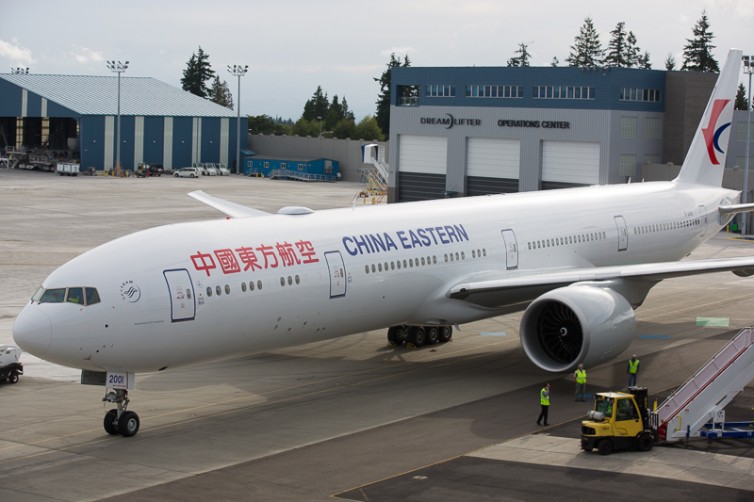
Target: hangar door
x,y
423,154
493,158
571,162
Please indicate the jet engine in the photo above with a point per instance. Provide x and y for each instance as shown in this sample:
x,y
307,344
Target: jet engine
x,y
576,324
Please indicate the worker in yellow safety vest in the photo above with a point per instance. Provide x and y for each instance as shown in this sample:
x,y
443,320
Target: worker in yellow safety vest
x,y
544,401
580,376
633,370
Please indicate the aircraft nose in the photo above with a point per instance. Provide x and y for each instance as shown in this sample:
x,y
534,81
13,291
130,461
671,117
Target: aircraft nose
x,y
32,331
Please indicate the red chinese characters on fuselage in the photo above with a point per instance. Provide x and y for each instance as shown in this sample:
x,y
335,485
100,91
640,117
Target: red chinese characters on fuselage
x,y
262,257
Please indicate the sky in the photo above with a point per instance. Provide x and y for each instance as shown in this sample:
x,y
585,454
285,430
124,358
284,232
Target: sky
x,y
293,46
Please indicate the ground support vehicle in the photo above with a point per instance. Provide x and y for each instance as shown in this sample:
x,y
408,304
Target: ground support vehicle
x,y
619,421
10,364
696,409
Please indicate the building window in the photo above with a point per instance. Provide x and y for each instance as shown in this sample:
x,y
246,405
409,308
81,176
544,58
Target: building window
x,y
627,164
266,165
563,92
494,91
408,95
301,167
283,165
653,128
628,127
642,95
440,91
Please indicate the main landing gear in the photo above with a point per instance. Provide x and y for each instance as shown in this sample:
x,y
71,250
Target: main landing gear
x,y
119,420
418,336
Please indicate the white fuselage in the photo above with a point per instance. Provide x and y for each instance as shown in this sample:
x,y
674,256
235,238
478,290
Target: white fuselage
x,y
191,292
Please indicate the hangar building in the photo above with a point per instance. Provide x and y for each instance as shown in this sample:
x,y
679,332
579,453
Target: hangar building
x,y
458,131
75,116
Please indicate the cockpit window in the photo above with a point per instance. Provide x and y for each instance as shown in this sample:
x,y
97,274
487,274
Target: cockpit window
x,y
78,295
92,296
75,295
52,296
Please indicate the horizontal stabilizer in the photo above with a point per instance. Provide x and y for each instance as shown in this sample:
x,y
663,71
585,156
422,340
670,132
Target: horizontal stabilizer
x,y
735,209
229,208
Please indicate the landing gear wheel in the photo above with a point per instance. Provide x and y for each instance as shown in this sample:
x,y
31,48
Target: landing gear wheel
x,y
392,336
433,334
644,441
446,333
605,447
111,422
13,377
128,424
417,336
401,334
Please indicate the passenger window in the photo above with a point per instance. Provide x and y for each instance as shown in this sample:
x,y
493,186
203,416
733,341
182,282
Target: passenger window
x,y
75,295
92,296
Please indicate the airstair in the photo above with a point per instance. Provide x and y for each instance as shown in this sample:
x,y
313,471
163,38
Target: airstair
x,y
377,176
697,408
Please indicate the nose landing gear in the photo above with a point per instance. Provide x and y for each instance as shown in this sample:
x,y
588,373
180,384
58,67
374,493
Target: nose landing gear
x,y
119,420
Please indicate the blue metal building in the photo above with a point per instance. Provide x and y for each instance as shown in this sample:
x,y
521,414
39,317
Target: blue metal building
x,y
160,124
478,130
288,168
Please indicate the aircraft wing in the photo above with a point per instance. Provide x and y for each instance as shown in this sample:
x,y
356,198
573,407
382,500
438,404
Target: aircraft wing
x,y
231,209
743,266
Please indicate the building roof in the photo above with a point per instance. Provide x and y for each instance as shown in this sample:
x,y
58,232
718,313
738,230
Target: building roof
x,y
98,95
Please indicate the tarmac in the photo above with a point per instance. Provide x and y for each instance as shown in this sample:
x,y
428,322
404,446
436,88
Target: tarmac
x,y
347,419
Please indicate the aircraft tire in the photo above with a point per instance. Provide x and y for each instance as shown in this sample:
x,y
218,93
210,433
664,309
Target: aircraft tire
x,y
392,336
417,336
13,377
128,424
111,427
433,334
446,333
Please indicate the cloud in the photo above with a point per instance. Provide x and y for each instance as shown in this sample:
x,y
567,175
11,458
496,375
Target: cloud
x,y
85,55
15,52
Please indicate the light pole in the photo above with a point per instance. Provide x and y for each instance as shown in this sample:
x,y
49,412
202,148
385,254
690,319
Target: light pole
x,y
238,71
117,67
748,63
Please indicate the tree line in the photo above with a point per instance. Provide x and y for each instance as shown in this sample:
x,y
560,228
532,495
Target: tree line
x,y
325,117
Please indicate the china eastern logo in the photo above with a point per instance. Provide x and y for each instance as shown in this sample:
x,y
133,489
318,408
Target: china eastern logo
x,y
712,132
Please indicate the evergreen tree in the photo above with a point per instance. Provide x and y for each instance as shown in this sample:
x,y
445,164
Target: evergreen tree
x,y
220,93
617,49
197,73
670,63
383,101
741,102
523,56
633,53
586,52
316,108
643,61
697,53
555,61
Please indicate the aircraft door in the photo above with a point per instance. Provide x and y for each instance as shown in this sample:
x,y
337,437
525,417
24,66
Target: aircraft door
x,y
702,220
511,249
337,273
182,298
620,223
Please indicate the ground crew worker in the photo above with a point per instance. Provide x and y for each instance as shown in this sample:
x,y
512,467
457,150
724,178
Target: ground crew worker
x,y
580,375
633,370
544,401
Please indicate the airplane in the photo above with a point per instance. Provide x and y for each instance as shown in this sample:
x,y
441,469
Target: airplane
x,y
576,261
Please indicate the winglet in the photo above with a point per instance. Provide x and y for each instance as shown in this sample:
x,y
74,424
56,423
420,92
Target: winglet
x,y
705,160
231,209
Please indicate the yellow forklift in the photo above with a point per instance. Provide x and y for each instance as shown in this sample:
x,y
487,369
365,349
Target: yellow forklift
x,y
619,421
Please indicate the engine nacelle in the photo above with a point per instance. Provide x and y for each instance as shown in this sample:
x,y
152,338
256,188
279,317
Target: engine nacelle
x,y
576,324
